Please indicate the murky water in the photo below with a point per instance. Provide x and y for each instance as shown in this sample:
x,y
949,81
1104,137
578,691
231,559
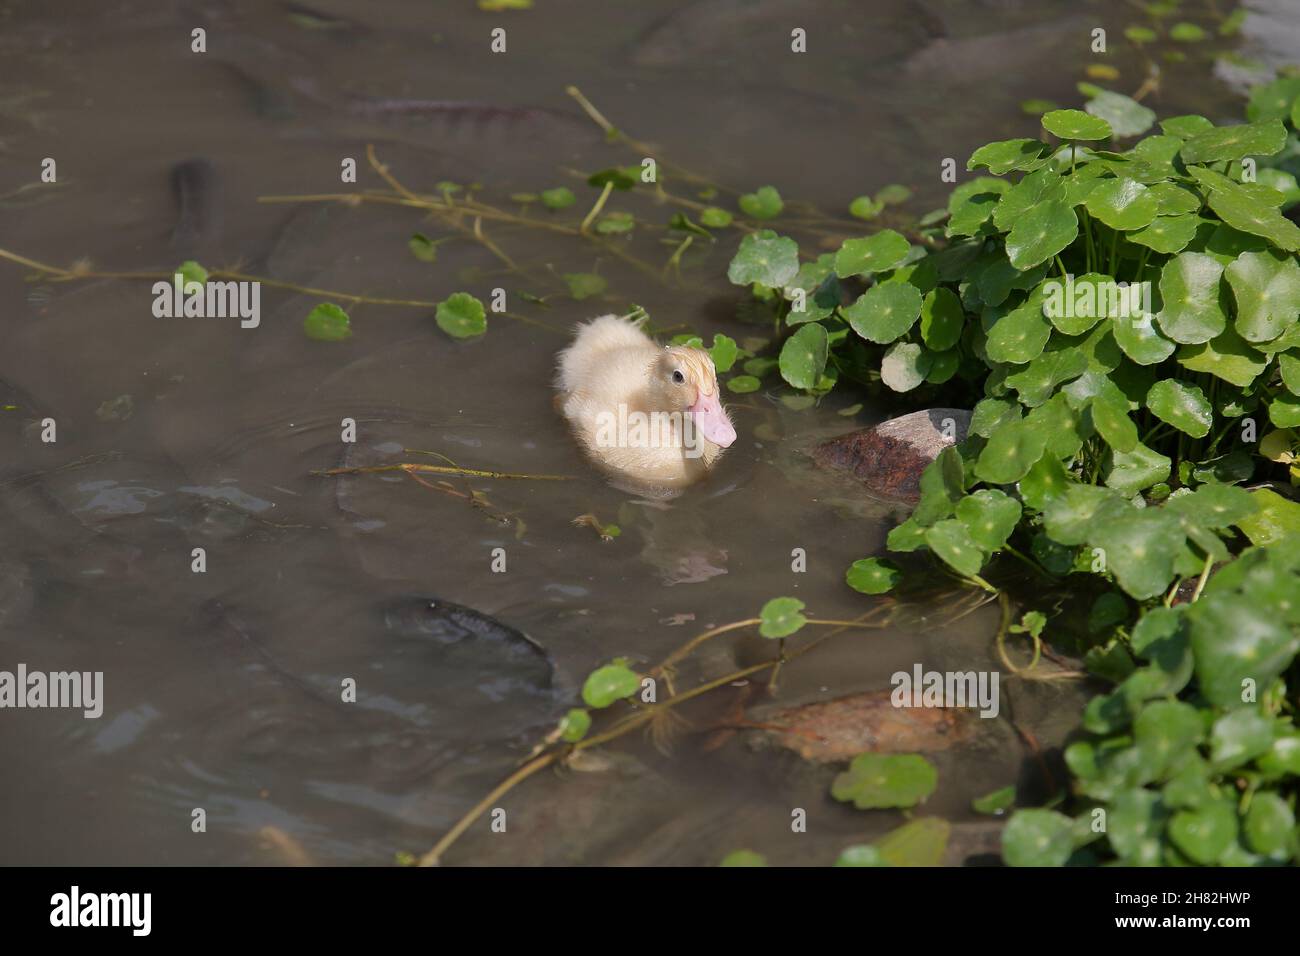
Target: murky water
x,y
222,688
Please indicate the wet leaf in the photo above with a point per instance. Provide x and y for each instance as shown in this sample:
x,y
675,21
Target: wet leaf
x,y
872,575
803,357
781,617
1076,124
990,516
1182,405
885,312
608,684
461,316
1192,293
1266,286
584,285
1122,204
765,258
327,323
561,197
950,539
1041,233
1037,838
1003,157
995,804
1228,357
1126,116
878,781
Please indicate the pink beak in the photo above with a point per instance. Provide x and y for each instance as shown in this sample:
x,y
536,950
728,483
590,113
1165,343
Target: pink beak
x,y
711,420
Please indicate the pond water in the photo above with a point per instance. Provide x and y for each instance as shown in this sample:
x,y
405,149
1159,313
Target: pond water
x,y
222,688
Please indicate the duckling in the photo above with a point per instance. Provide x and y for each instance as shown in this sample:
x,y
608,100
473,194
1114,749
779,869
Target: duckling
x,y
644,413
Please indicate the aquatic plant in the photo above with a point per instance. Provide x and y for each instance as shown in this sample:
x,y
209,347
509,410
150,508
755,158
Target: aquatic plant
x,y
1126,324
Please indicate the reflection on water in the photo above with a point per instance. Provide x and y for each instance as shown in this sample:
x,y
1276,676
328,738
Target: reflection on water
x,y
224,687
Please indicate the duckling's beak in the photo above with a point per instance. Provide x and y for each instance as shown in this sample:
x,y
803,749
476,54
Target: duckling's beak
x,y
711,420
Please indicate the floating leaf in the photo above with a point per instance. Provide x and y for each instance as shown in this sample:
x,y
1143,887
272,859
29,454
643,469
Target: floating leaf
x,y
879,781
744,384
422,247
803,357
561,197
461,316
608,684
872,575
583,285
327,323
916,843
575,725
1076,124
781,617
1182,405
765,258
885,250
1126,116
743,858
1192,293
763,203
715,218
885,312
864,207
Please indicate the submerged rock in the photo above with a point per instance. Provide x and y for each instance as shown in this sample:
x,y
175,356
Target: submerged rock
x,y
889,457
840,729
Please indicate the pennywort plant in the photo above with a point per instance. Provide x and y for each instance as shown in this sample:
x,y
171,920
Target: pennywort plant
x,y
1125,325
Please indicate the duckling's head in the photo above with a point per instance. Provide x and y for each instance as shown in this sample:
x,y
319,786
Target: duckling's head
x,y
683,380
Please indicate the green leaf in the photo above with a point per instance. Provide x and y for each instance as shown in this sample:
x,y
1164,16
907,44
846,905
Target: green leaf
x,y
1123,204
622,179
1273,100
765,258
1140,550
1141,340
715,218
1276,519
1075,124
1011,451
1235,142
422,247
561,197
781,617
1266,286
893,194
327,323
763,203
916,843
1228,357
1182,405
1214,506
942,319
1234,639
461,316
1243,212
942,485
1165,731
724,352
860,855
1239,737
803,357
1131,471
1003,157
996,803
1185,127
1206,833
878,253
1126,116
950,539
744,384
1167,234
1037,838
1069,516
879,781
1192,293
1044,481
1186,32
743,858
905,365
583,285
575,725
1270,825
608,684
1020,335
1136,826
864,207
1041,233
1037,382
191,271
1110,416
989,516
885,312
872,575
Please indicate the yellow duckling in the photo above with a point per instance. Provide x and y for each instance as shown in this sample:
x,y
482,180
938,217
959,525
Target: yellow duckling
x,y
645,413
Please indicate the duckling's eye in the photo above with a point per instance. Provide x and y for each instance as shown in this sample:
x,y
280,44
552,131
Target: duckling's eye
x,y
678,377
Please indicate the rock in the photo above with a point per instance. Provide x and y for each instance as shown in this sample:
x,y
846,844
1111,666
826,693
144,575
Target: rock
x,y
840,729
889,457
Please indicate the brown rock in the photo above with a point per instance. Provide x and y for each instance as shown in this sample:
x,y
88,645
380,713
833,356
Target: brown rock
x,y
840,729
889,457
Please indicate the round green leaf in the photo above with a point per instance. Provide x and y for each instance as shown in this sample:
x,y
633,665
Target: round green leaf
x,y
744,384
1221,143
905,365
1037,838
422,247
575,725
1140,549
461,316
715,218
1270,824
781,617
1192,293
1227,356
990,516
1167,234
872,575
610,683
1122,204
561,197
950,539
1141,340
743,858
803,357
878,781
942,319
1020,335
1011,452
583,285
885,312
860,855
1206,833
191,271
1003,157
762,203
1041,233
327,323
1126,116
877,253
1235,639
1182,405
1186,32
1245,213
1266,286
765,258
864,207
1075,124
